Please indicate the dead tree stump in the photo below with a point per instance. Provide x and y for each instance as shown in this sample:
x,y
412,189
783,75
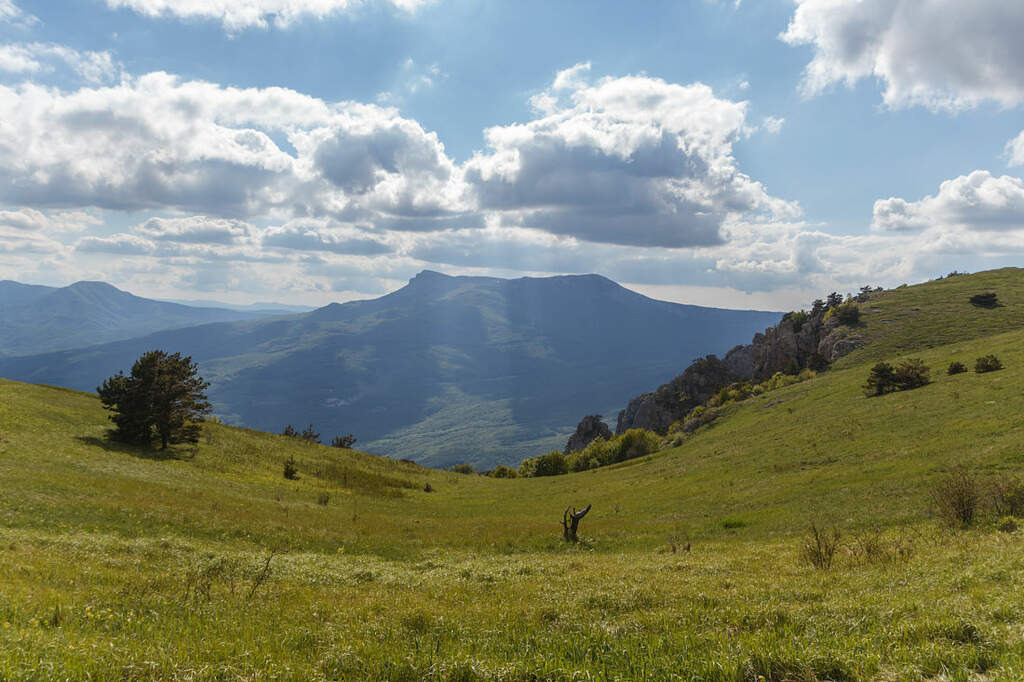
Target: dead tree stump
x,y
571,522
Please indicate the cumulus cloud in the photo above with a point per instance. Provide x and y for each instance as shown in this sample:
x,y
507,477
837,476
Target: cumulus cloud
x,y
236,15
631,160
30,219
195,229
10,13
121,244
1015,150
155,142
36,58
978,202
941,54
306,235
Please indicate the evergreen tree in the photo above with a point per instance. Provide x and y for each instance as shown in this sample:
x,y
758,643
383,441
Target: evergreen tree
x,y
163,396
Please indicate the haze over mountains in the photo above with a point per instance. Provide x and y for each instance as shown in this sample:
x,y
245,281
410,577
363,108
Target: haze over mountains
x,y
39,318
444,370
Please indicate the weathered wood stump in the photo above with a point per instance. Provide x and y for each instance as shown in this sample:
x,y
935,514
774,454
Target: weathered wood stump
x,y
571,522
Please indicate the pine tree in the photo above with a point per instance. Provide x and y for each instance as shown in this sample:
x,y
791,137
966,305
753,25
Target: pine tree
x,y
163,396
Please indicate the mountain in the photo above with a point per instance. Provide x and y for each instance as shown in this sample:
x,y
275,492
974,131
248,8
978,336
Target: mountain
x,y
39,319
444,370
264,308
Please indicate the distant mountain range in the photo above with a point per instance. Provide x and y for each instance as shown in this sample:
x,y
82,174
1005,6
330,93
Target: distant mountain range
x,y
444,370
38,319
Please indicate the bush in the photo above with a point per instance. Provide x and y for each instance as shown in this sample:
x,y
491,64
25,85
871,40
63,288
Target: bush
x,y
987,363
911,373
323,498
956,497
1006,496
908,374
291,469
344,442
881,380
847,313
986,300
956,367
428,488
553,463
636,443
797,318
819,547
464,469
502,471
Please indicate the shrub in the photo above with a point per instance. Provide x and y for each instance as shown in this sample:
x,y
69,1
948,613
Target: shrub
x,y
987,363
323,498
911,373
798,318
847,313
956,497
881,380
464,469
291,469
698,418
1006,496
344,442
908,374
986,300
428,488
502,471
956,367
636,443
1007,524
819,547
553,463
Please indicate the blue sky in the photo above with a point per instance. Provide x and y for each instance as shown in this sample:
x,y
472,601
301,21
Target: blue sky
x,y
734,154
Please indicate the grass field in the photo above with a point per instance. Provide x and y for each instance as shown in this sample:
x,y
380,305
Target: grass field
x,y
205,563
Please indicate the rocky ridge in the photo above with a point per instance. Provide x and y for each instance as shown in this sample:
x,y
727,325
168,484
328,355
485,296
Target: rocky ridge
x,y
799,340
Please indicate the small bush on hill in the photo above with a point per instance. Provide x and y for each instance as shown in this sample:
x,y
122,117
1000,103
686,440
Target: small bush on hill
x,y
323,498
819,547
553,463
502,471
847,313
956,367
344,442
881,380
1006,496
291,469
908,374
911,373
797,318
987,363
957,496
464,469
986,300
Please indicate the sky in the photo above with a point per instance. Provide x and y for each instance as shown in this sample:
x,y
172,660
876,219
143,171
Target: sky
x,y
730,153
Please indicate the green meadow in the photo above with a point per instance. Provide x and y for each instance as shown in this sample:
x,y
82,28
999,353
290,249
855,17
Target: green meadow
x,y
204,562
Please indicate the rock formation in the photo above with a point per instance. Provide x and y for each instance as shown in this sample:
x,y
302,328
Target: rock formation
x,y
799,340
589,428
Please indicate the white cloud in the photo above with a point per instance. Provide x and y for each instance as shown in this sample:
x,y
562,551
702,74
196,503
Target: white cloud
x,y
236,15
121,244
975,202
195,229
1015,150
321,235
30,219
631,160
155,142
10,13
941,54
36,58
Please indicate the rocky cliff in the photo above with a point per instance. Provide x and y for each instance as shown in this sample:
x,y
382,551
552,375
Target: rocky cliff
x,y
799,340
589,428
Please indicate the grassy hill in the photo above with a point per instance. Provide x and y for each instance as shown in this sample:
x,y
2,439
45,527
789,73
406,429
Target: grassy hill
x,y
125,563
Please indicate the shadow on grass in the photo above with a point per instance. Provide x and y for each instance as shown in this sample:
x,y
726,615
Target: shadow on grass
x,y
140,451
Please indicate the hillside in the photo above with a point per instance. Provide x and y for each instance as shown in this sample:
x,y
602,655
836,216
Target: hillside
x,y
122,562
39,319
444,370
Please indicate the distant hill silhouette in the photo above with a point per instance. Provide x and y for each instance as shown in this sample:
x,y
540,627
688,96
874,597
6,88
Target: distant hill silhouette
x,y
38,319
444,370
